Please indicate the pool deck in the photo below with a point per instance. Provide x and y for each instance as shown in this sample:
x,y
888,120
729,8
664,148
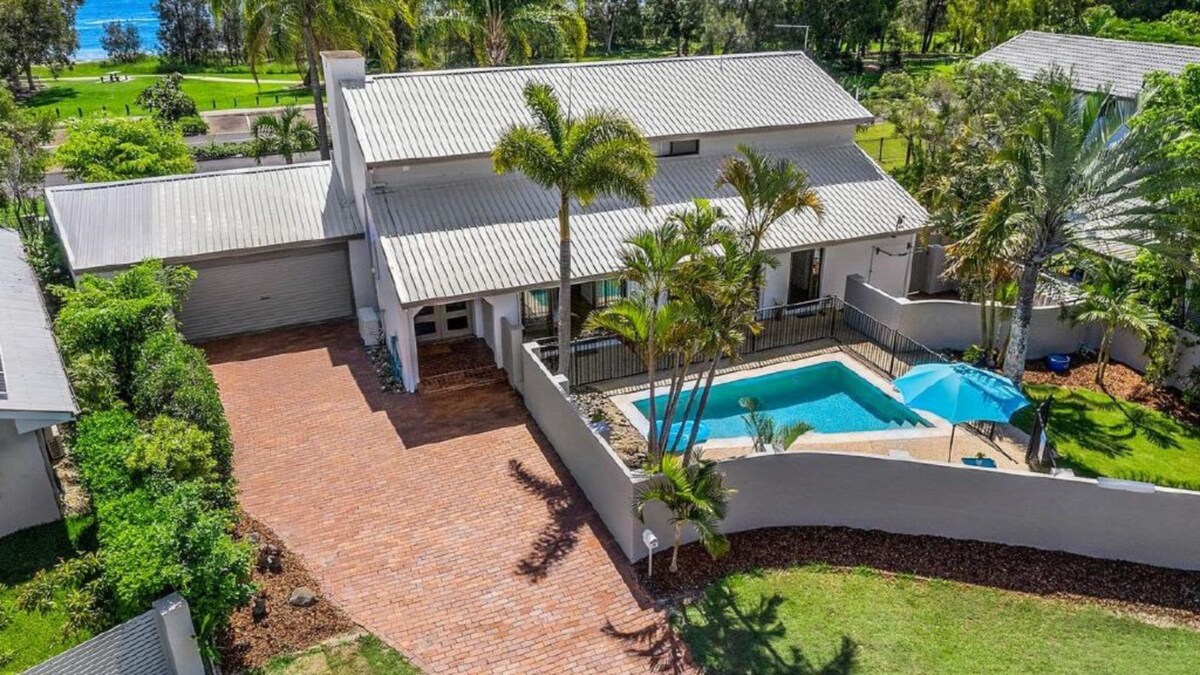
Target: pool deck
x,y
927,444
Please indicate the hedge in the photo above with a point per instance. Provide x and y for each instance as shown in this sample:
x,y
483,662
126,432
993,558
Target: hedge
x,y
155,455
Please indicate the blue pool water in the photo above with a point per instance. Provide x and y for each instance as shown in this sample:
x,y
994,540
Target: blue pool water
x,y
829,396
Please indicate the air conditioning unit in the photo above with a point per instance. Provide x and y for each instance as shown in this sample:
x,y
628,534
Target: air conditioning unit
x,y
368,326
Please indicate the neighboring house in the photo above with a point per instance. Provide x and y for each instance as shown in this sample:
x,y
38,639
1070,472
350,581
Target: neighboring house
x,y
161,641
34,394
410,221
1120,66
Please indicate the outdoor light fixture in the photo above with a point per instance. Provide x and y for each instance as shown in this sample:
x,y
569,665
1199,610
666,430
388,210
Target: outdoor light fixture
x,y
651,543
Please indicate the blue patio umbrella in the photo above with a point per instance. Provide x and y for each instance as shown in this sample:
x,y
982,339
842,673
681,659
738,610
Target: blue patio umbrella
x,y
959,393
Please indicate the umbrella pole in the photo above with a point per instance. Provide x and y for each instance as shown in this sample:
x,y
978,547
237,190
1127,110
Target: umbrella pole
x,y
950,454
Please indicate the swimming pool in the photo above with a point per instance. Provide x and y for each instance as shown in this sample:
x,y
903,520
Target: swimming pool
x,y
829,396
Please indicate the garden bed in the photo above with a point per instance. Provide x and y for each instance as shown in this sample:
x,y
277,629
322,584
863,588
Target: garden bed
x,y
286,629
1120,381
1153,593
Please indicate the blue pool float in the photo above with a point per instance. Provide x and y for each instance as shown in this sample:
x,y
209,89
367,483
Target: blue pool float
x,y
1058,363
680,431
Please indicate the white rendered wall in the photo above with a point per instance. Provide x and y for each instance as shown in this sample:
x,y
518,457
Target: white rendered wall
x,y
775,290
868,258
27,495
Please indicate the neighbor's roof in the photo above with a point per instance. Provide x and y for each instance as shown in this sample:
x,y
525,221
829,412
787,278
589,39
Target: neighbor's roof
x,y
427,115
32,378
440,247
131,648
181,218
1096,62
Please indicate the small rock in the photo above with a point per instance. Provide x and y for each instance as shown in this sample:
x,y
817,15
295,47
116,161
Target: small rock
x,y
259,611
253,538
303,597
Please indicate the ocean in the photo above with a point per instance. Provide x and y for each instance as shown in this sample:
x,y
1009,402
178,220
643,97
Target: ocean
x,y
91,17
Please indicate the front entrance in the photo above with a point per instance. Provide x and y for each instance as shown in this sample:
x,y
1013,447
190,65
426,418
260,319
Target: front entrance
x,y
443,322
804,282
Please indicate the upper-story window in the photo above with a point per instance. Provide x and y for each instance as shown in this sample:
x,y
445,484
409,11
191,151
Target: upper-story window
x,y
679,148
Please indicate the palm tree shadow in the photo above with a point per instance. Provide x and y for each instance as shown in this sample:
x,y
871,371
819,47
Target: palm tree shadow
x,y
658,643
737,638
561,535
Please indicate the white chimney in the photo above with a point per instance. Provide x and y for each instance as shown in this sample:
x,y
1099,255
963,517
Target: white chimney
x,y
342,69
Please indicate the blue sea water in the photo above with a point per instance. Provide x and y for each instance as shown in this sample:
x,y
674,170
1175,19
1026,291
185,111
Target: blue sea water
x,y
828,396
91,17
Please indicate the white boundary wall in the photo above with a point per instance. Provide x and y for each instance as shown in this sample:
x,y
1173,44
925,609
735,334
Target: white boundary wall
x,y
1106,519
953,324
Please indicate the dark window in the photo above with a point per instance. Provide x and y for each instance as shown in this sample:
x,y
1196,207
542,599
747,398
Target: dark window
x,y
681,148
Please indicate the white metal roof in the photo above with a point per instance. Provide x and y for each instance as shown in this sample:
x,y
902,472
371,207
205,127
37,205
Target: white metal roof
x,y
427,115
179,218
131,648
1095,62
441,247
32,378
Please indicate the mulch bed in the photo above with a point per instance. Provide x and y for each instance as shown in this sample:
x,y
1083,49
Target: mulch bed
x,y
248,643
1155,593
1120,381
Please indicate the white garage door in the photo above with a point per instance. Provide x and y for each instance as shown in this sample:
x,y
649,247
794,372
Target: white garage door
x,y
264,292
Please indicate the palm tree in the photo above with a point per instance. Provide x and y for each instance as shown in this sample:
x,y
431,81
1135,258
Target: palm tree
x,y
1112,299
1069,178
770,188
765,431
288,134
601,153
496,29
288,28
694,494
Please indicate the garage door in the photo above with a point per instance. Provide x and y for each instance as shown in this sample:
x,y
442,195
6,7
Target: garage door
x,y
250,295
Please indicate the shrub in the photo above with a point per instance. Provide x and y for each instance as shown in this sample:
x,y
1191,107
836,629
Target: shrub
x,y
95,381
115,316
222,150
171,377
166,100
153,544
173,449
116,148
103,442
193,126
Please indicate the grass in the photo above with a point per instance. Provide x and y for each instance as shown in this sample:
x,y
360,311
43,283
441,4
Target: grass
x,y
69,99
820,620
30,638
366,655
881,142
153,66
1098,435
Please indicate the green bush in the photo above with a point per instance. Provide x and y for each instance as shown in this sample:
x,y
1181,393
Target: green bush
x,y
152,544
172,378
101,449
95,381
222,150
173,449
193,125
117,315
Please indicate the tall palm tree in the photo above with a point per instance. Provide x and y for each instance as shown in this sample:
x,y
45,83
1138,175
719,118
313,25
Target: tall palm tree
x,y
770,188
600,153
1112,299
287,134
496,29
694,494
289,28
1068,177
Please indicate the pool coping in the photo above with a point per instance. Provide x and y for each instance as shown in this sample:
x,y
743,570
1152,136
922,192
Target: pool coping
x,y
939,428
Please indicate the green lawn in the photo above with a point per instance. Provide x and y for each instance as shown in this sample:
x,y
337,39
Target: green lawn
x,y
68,98
366,655
820,620
881,143
152,66
1098,435
30,638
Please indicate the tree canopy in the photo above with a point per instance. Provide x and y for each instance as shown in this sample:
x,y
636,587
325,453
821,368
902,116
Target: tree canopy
x,y
103,148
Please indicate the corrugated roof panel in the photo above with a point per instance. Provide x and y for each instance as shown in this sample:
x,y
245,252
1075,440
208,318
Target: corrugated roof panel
x,y
427,115
31,370
1096,62
132,648
440,248
110,225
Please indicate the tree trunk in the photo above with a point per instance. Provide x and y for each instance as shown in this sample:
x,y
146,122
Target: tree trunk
x,y
652,372
712,373
1018,334
1102,357
29,75
564,285
314,83
675,549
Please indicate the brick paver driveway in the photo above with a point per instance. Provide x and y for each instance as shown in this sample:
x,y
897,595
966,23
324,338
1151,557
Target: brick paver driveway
x,y
443,523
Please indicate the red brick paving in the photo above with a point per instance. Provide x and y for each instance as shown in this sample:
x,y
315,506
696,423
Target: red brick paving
x,y
443,523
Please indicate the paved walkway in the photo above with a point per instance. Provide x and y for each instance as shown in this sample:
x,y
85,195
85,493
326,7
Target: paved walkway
x,y
443,523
